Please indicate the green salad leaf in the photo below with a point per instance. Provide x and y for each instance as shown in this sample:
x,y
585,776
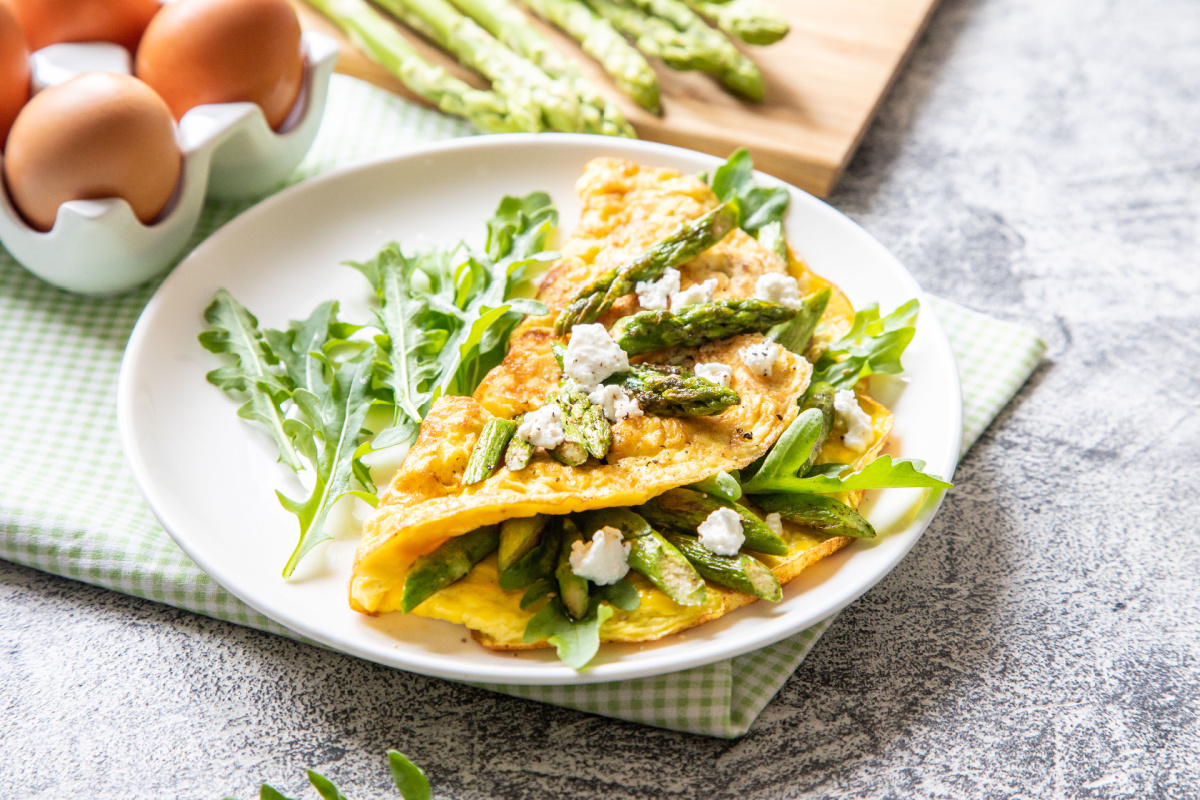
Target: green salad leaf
x,y
873,344
269,792
788,456
758,206
324,786
410,779
577,642
882,473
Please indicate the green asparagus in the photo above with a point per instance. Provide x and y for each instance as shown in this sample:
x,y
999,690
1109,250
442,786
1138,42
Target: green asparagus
x,y
623,63
752,21
796,334
454,559
674,392
518,537
573,450
740,572
682,511
538,563
572,589
771,236
380,40
656,37
687,241
587,421
825,514
519,452
819,396
694,325
488,450
652,555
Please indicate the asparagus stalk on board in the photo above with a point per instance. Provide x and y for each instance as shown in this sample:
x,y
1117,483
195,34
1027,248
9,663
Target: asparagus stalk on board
x,y
647,331
504,21
752,21
489,449
739,572
454,559
656,37
379,39
817,511
682,511
652,555
687,241
541,101
626,66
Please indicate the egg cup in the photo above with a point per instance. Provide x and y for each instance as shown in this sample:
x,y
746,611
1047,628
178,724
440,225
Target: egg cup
x,y
99,247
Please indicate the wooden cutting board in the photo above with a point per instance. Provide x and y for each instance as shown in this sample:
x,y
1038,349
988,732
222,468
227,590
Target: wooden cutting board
x,y
825,81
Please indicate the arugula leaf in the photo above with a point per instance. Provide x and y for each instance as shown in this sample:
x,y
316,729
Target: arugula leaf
x,y
576,642
269,792
758,206
235,332
621,594
324,786
335,414
789,454
410,779
872,345
882,473
722,484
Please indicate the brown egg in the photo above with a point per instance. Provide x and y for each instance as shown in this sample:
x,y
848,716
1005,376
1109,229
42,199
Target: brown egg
x,y
98,135
224,51
48,22
14,70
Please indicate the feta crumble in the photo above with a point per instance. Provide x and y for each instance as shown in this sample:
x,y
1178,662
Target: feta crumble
x,y
616,402
774,522
592,356
694,295
603,560
656,295
714,372
542,428
722,533
760,358
776,288
859,430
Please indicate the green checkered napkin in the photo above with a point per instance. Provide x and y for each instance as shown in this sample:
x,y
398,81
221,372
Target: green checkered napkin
x,y
59,358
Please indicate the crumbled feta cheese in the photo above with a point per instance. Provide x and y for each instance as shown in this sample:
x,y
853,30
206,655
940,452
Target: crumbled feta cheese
x,y
774,522
592,356
722,533
760,358
859,431
656,295
714,372
542,428
603,560
616,402
776,288
694,294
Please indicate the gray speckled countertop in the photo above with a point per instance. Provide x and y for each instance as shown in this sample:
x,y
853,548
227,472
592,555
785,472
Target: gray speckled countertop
x,y
1038,161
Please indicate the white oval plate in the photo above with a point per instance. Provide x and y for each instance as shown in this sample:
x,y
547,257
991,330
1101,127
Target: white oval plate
x,y
210,476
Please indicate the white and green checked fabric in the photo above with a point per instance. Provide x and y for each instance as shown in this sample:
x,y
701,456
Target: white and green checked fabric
x,y
59,358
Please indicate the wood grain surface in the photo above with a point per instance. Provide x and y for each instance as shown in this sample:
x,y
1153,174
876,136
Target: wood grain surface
x,y
824,82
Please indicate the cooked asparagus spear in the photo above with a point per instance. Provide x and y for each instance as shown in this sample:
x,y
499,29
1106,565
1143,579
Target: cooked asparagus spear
x,y
771,237
538,563
518,537
817,511
437,570
682,511
572,589
673,392
647,331
488,450
796,334
623,63
752,21
380,40
541,101
587,421
740,572
820,396
687,241
519,452
652,555
573,451
504,21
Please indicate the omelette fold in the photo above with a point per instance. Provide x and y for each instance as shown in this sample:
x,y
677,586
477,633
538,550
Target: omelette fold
x,y
626,208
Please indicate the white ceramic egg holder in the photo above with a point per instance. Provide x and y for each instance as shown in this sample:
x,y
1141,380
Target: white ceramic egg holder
x,y
99,246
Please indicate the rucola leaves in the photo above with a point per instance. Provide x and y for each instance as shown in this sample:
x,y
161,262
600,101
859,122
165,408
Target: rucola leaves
x,y
873,344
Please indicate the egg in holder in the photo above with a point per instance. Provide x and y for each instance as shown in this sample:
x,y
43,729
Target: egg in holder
x,y
227,149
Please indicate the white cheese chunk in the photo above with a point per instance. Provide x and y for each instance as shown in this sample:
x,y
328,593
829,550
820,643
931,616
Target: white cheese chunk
x,y
714,372
656,295
542,428
777,288
722,533
693,295
592,356
617,403
760,358
774,522
603,560
860,433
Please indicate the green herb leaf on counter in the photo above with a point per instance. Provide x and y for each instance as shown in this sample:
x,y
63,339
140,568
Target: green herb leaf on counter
x,y
410,779
759,206
873,344
269,792
324,786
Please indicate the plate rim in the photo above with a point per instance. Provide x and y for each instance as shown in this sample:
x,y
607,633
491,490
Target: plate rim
x,y
776,630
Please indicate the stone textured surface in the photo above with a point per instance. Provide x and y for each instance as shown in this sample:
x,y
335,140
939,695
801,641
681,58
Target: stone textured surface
x,y
1037,161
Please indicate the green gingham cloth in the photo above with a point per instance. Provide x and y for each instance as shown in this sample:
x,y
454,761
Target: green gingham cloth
x,y
59,358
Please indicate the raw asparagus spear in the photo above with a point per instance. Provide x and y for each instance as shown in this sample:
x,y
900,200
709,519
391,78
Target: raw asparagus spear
x,y
817,511
752,21
442,567
380,40
687,241
541,101
588,421
652,555
518,537
647,331
572,589
796,334
519,452
504,21
819,396
740,572
600,40
488,450
682,511
656,37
